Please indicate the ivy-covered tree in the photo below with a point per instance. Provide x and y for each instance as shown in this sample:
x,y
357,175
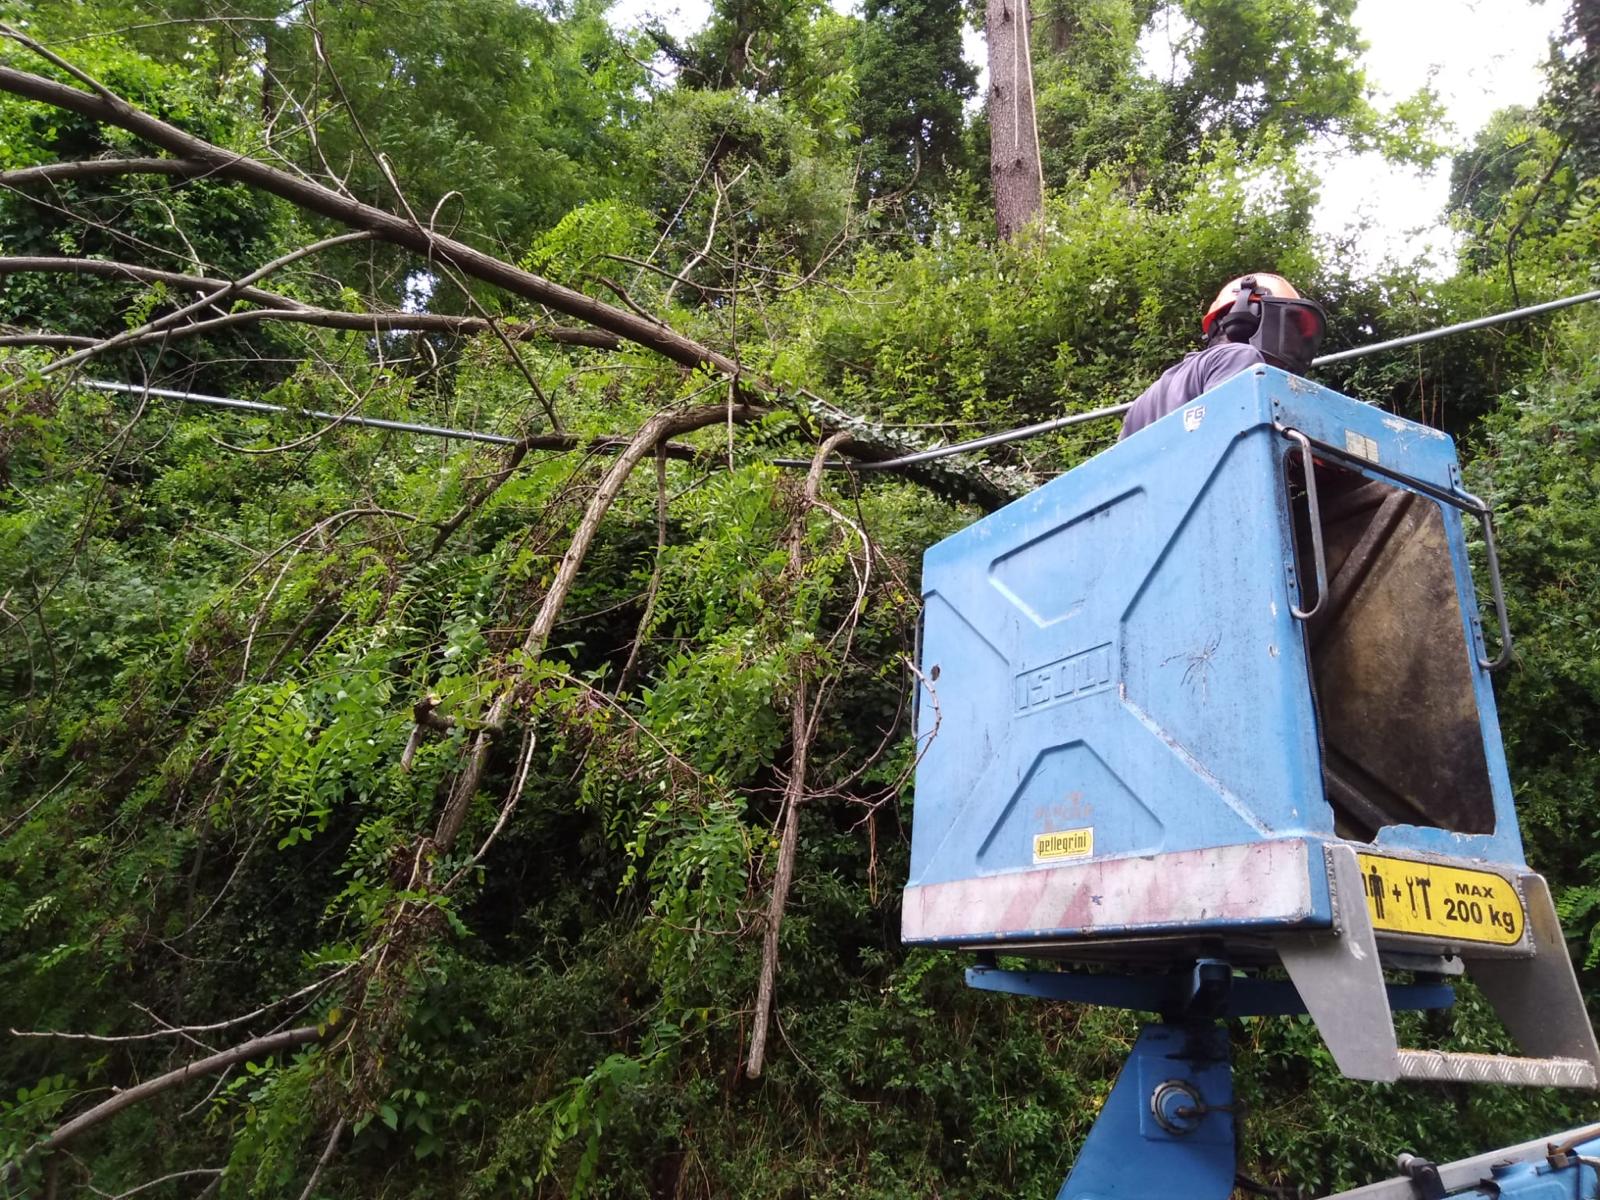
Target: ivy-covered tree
x,y
912,85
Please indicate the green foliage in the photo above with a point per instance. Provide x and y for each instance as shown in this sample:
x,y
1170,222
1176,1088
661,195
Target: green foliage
x,y
1540,469
129,218
217,632
762,48
912,82
1288,66
1096,109
498,116
1271,75
769,189
960,331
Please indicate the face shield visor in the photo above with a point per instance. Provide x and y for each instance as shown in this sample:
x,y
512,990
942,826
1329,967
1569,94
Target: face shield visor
x,y
1290,332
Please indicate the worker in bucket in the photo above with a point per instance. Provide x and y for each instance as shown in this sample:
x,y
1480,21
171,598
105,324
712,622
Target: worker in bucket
x,y
1256,318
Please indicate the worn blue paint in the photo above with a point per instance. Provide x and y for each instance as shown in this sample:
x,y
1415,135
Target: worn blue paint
x,y
1128,1155
1575,1180
1116,651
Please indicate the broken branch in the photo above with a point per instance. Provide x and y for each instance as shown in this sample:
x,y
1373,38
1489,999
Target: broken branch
x,y
255,1048
654,431
794,791
100,168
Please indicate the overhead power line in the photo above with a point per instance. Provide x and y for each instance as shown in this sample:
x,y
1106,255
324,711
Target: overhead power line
x,y
1412,339
907,460
278,410
1116,410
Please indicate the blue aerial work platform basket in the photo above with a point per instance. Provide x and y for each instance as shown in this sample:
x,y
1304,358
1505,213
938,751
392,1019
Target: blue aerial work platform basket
x,y
1221,695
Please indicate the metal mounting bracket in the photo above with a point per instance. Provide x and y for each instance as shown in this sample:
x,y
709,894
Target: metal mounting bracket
x,y
1195,991
1167,1127
1340,978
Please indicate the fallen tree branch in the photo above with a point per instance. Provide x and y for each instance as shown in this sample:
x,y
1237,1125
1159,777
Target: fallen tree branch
x,y
284,308
801,727
100,168
654,431
63,341
108,268
386,226
255,1048
545,441
162,325
329,318
103,105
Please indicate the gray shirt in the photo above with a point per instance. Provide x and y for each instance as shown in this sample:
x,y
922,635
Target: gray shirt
x,y
1198,371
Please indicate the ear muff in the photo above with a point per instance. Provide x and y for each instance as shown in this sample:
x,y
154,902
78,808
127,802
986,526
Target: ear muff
x,y
1239,323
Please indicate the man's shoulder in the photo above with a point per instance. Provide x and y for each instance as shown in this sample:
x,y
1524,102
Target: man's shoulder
x,y
1225,354
1196,372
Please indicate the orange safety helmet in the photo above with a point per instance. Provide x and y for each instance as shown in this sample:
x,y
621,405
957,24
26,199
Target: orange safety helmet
x,y
1265,285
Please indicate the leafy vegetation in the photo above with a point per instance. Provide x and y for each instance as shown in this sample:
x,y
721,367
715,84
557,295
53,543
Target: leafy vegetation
x,y
471,766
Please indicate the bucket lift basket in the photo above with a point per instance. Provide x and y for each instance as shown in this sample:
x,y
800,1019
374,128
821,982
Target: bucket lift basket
x,y
1223,693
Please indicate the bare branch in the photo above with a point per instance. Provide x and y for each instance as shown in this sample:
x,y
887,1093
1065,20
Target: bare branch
x,y
56,787
328,318
711,233
1527,211
284,308
794,792
179,1030
654,431
226,292
530,741
210,1172
626,676
424,716
327,1157
100,168
545,441
387,322
621,293
255,1048
61,340
56,60
11,264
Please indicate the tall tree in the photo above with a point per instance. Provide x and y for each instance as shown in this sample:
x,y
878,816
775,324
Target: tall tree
x,y
1015,171
912,83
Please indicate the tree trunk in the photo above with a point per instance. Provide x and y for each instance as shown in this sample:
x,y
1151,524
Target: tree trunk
x,y
1014,168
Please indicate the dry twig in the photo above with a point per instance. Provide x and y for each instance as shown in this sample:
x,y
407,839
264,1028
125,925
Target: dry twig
x,y
802,724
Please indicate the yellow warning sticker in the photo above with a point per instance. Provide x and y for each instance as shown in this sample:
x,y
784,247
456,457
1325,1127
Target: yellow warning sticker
x,y
1063,843
1438,901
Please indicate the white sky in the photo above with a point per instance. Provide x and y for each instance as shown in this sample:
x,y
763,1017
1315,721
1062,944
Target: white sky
x,y
1482,55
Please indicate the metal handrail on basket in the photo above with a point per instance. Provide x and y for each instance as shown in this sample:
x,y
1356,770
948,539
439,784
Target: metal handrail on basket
x,y
1459,499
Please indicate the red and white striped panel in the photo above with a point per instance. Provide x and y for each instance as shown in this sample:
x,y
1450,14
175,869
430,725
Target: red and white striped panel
x,y
1264,884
